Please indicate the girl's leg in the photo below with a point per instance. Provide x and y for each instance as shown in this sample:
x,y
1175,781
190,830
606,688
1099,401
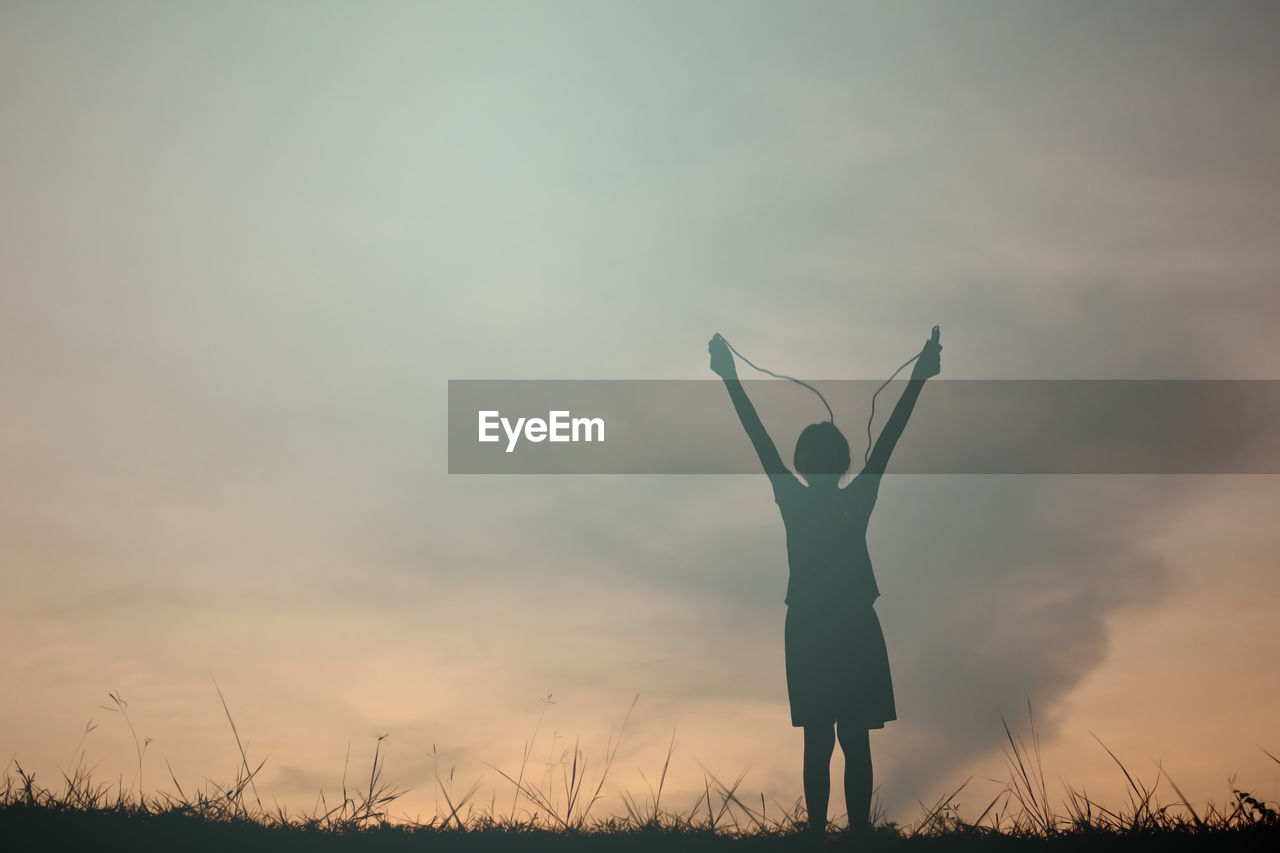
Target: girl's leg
x,y
819,742
855,741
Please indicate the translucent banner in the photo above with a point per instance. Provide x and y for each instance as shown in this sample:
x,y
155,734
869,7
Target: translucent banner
x,y
956,426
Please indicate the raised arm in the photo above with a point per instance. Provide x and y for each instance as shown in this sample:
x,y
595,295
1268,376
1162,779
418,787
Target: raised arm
x,y
929,364
722,364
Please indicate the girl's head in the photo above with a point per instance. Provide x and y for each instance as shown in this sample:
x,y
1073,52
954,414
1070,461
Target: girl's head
x,y
821,450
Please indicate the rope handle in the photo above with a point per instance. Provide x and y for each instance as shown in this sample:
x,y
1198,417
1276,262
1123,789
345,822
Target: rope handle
x,y
866,456
830,415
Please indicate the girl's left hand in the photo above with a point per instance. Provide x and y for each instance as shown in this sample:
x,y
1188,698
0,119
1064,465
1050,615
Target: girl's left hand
x,y
930,361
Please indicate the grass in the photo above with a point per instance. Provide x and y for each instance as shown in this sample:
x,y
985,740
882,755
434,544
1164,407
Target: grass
x,y
556,811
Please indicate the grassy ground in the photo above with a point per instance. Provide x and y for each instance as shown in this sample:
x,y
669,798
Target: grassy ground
x,y
49,827
80,814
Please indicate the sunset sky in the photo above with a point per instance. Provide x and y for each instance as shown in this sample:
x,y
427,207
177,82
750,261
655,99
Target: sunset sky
x,y
244,246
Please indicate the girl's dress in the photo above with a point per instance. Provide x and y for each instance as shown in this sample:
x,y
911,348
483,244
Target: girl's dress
x,y
837,664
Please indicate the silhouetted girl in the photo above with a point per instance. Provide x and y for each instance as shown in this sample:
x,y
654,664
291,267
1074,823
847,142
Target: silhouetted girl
x,y
837,668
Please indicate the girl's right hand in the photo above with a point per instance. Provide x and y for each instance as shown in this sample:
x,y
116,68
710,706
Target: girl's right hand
x,y
721,358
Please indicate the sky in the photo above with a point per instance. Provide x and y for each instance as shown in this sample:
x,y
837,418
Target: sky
x,y
244,247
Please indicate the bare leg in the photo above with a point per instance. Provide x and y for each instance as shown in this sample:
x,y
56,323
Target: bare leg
x,y
819,742
856,743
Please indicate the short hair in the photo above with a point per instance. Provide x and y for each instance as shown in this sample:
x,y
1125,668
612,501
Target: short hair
x,y
821,449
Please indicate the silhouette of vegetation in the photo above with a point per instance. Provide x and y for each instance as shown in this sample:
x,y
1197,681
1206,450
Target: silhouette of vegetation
x,y
79,813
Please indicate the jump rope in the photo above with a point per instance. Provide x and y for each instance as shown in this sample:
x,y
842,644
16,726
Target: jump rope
x,y
866,457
